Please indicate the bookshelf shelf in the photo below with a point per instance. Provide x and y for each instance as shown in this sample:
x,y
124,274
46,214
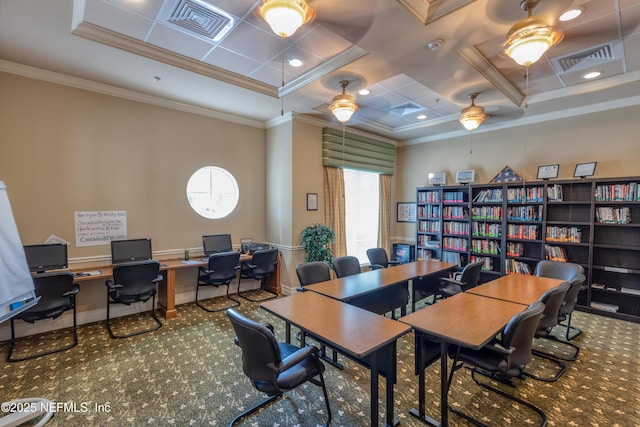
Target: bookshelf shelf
x,y
514,226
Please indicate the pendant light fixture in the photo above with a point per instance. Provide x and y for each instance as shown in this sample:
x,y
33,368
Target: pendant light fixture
x,y
531,37
285,16
473,116
344,105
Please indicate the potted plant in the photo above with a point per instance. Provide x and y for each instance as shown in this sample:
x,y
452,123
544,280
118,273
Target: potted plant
x,y
315,240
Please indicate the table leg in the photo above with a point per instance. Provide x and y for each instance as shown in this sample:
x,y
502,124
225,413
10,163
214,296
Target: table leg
x,y
421,413
287,333
391,377
374,389
167,294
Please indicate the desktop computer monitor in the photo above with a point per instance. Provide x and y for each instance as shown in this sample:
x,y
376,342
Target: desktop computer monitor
x,y
216,243
41,258
130,250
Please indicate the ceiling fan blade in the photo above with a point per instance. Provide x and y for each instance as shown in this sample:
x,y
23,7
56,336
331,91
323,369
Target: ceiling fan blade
x,y
351,19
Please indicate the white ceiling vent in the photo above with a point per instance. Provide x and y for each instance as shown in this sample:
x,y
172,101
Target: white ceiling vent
x,y
200,19
406,108
588,58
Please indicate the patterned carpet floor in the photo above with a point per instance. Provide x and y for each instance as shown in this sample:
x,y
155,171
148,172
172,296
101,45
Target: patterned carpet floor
x,y
189,373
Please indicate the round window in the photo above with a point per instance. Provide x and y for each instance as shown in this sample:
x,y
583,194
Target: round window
x,y
212,192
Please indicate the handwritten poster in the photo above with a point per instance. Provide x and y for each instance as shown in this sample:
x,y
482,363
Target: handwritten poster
x,y
94,228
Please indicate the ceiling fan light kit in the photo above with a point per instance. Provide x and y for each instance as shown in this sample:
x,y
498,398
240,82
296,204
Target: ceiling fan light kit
x,y
530,38
285,16
344,105
472,116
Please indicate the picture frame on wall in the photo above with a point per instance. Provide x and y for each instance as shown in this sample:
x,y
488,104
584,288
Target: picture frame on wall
x,y
548,171
312,201
406,212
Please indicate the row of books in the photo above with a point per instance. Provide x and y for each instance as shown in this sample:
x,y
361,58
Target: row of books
x,y
522,231
486,229
555,253
487,262
493,195
429,211
455,243
485,247
428,197
457,212
525,195
525,213
486,212
554,193
618,192
452,257
610,215
564,234
518,267
454,196
429,226
515,249
454,227
426,241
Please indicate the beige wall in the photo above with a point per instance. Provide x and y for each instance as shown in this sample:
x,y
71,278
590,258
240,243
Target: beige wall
x,y
609,138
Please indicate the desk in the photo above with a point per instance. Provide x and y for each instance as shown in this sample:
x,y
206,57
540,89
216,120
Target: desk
x,y
464,319
359,285
167,288
520,288
354,332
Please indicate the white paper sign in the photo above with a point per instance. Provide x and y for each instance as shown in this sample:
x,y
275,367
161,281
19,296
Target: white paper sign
x,y
94,228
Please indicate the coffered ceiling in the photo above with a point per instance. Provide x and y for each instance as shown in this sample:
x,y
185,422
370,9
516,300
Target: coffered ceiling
x,y
220,55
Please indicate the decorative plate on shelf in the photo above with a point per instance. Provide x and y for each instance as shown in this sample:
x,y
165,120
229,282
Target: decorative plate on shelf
x,y
507,175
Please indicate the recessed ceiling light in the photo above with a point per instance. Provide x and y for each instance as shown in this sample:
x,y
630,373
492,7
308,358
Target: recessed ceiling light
x,y
364,92
296,62
421,117
592,75
571,14
435,44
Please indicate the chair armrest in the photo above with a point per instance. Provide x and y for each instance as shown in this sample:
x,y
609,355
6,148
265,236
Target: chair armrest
x,y
446,280
498,348
246,264
158,278
236,341
111,285
297,357
395,262
205,270
74,290
375,266
269,326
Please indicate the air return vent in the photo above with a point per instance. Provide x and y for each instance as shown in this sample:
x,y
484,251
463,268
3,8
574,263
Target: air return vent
x,y
588,58
200,19
406,108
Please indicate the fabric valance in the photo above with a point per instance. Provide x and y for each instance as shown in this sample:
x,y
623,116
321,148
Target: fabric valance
x,y
357,152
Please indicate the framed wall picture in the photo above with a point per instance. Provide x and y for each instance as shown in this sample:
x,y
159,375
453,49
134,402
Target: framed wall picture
x,y
406,212
465,177
438,178
312,201
548,171
584,170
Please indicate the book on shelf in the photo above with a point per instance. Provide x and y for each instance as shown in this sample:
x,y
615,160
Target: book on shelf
x,y
554,193
631,291
611,215
611,308
618,192
490,195
555,253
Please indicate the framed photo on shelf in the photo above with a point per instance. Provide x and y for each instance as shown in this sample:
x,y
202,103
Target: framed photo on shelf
x,y
438,178
584,170
406,212
312,201
465,177
548,171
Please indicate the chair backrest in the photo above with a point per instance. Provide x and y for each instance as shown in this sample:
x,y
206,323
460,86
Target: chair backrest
x,y
51,288
558,270
378,256
346,266
571,297
519,334
223,266
136,278
265,262
552,300
260,351
471,274
313,272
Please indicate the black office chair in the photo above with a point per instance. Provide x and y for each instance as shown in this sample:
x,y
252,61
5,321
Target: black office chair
x,y
346,266
274,367
57,294
222,269
378,258
461,282
134,282
504,358
552,300
263,264
571,273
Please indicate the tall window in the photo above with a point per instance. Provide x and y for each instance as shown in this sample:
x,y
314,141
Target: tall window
x,y
362,206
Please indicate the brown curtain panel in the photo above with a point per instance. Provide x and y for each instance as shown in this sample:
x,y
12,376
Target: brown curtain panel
x,y
334,209
384,220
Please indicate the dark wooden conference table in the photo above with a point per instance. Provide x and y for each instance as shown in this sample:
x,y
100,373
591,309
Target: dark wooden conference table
x,y
364,336
470,319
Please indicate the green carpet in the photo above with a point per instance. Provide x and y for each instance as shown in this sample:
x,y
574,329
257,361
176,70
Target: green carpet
x,y
189,373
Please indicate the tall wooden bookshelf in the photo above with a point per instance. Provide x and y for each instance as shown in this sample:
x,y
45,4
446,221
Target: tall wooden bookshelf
x,y
512,226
